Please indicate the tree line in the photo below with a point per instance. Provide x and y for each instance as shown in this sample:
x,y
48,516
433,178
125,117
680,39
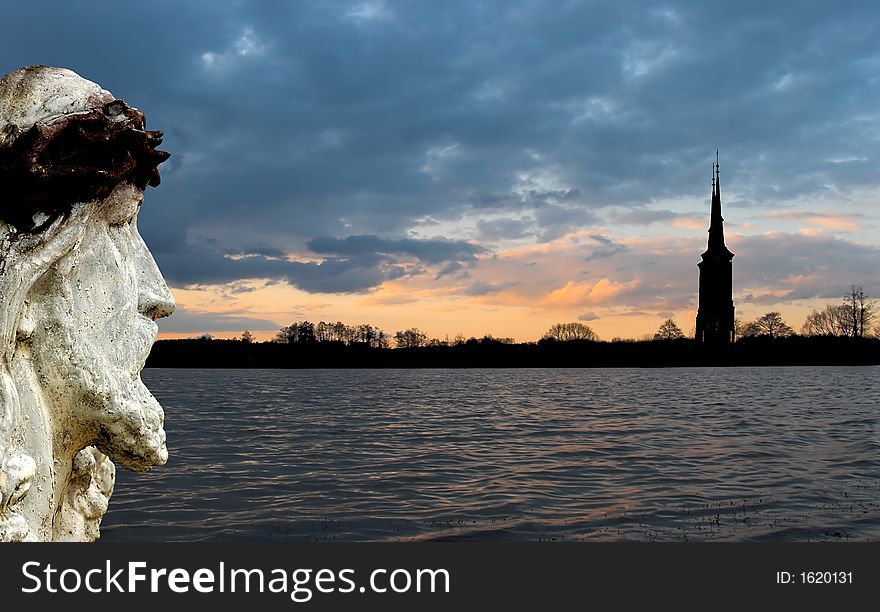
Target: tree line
x,y
856,316
308,333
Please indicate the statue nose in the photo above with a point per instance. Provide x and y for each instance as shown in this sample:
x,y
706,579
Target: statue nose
x,y
156,304
154,298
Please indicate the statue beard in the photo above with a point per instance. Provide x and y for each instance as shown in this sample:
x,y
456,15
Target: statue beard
x,y
96,397
99,411
128,422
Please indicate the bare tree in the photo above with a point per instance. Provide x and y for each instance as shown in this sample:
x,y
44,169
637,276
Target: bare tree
x,y
247,337
833,320
749,330
668,331
570,331
862,310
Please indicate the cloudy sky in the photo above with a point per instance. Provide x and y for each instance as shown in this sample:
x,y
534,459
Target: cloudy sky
x,y
488,167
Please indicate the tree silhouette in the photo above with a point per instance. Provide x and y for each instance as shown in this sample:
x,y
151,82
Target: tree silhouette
x,y
862,310
410,338
570,331
854,317
247,337
369,335
770,324
339,333
833,320
668,331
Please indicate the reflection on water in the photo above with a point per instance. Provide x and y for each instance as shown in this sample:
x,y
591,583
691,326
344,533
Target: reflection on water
x,y
611,454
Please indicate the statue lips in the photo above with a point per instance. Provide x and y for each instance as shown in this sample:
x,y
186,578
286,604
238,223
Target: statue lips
x,y
145,330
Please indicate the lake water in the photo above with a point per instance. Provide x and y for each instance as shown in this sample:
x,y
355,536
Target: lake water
x,y
527,454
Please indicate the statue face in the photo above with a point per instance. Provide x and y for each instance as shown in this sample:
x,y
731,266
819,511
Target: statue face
x,y
81,293
93,318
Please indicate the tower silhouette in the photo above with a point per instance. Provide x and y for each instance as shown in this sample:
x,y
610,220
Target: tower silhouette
x,y
715,312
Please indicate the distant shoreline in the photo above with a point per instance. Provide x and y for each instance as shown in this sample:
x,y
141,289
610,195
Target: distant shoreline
x,y
760,351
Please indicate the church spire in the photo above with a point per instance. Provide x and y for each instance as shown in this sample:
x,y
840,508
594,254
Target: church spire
x,y
715,313
713,179
716,224
715,175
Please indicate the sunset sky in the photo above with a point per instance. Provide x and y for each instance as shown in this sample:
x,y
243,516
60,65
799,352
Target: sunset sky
x,y
488,167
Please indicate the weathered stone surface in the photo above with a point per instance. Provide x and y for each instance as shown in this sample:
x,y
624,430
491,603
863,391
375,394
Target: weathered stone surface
x,y
79,295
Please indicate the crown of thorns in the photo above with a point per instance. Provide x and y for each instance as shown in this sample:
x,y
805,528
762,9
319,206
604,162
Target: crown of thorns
x,y
79,157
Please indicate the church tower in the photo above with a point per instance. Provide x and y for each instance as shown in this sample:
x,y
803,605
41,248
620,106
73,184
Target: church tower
x,y
715,312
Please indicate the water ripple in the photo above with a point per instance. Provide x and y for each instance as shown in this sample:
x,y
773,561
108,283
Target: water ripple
x,y
532,454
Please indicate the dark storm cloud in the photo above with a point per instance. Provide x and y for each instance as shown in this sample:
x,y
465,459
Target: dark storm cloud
x,y
605,247
331,275
556,221
351,265
501,229
428,251
451,268
269,252
493,200
295,123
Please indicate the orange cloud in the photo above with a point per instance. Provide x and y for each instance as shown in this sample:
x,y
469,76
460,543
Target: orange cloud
x,y
833,221
575,294
799,279
561,244
692,223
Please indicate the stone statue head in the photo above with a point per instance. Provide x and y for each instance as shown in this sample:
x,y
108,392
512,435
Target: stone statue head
x,y
79,295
